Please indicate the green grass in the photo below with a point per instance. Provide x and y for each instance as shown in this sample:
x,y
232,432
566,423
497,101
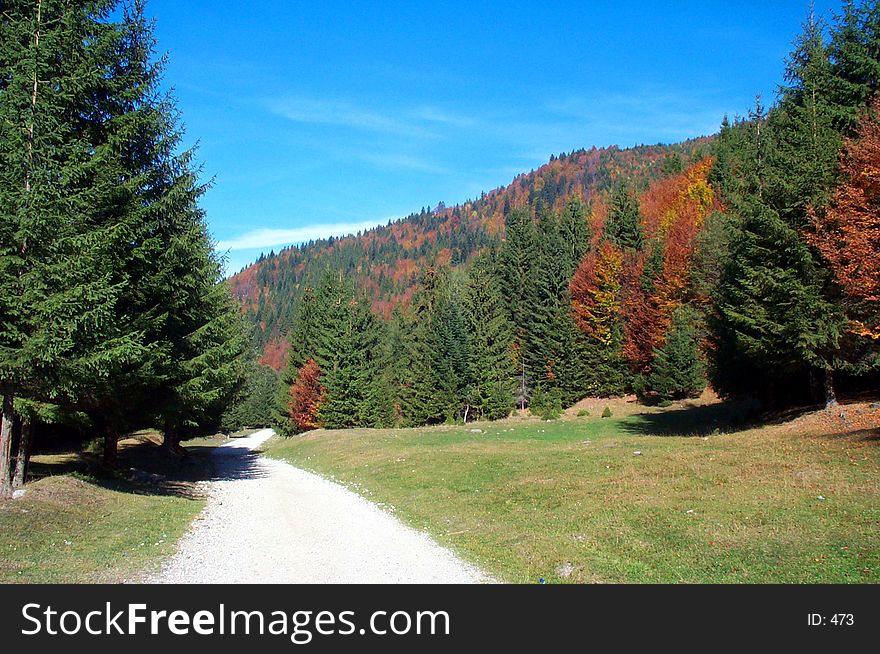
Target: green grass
x,y
570,501
79,524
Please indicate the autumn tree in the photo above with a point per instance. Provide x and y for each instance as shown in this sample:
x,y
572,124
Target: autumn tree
x,y
306,395
847,233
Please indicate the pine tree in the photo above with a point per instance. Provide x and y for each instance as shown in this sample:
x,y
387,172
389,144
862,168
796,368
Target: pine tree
x,y
854,51
491,367
576,233
343,340
624,224
781,322
516,261
448,343
802,162
550,347
254,404
158,251
55,297
416,378
678,368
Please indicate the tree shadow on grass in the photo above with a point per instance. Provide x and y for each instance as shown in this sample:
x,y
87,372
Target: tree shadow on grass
x,y
145,469
871,435
723,417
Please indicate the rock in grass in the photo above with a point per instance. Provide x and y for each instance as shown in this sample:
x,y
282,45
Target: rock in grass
x,y
565,570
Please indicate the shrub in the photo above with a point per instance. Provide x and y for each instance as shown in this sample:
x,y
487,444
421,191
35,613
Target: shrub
x,y
607,413
583,413
546,404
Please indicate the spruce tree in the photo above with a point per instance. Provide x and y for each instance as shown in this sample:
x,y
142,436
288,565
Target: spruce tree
x,y
516,261
491,367
678,370
448,344
854,51
56,300
779,317
624,224
550,348
576,233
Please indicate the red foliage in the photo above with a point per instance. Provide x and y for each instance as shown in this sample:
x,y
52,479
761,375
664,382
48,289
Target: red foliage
x,y
587,173
847,234
611,284
306,396
275,354
595,290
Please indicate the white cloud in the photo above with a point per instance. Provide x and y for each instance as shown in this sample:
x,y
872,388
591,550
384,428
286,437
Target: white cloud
x,y
328,112
265,238
404,161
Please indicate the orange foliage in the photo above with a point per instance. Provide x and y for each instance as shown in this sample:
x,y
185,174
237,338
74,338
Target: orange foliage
x,y
595,291
413,243
306,396
847,235
610,283
275,354
674,210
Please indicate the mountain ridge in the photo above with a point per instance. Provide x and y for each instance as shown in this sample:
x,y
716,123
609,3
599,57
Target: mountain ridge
x,y
387,260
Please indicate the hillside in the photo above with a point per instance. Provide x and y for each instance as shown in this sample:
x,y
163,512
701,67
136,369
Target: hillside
x,y
387,261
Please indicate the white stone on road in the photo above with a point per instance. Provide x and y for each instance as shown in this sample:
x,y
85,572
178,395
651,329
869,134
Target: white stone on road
x,y
269,522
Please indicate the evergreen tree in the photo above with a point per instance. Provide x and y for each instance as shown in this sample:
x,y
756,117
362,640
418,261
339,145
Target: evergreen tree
x,y
854,51
779,316
678,369
576,233
516,272
550,349
450,350
254,405
624,224
56,298
341,334
491,367
415,380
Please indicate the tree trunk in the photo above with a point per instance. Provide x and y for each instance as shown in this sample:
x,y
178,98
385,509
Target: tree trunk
x,y
830,394
171,440
111,443
24,453
816,385
6,419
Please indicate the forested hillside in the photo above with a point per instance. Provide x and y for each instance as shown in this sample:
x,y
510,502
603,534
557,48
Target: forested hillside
x,y
748,261
388,261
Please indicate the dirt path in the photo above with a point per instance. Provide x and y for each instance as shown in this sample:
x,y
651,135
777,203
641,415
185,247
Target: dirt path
x,y
268,522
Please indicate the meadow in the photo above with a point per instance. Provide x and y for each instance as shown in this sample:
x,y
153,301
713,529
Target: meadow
x,y
689,494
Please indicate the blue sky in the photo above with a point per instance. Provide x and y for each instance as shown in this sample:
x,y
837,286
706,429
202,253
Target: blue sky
x,y
320,118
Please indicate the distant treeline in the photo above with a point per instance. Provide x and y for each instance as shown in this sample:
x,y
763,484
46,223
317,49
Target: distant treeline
x,y
112,314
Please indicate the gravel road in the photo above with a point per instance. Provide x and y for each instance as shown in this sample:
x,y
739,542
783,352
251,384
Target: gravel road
x,y
268,522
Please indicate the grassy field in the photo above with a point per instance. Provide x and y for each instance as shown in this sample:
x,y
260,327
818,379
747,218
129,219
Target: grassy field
x,y
681,495
78,524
